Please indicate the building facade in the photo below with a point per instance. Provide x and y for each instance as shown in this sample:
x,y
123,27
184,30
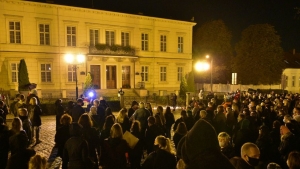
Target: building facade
x,y
120,50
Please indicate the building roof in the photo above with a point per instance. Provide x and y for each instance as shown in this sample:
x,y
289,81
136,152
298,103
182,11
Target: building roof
x,y
292,59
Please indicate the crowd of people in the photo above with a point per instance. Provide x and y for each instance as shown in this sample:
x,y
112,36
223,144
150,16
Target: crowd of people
x,y
255,130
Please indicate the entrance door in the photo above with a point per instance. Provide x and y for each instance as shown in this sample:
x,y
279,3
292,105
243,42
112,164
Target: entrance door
x,y
95,73
126,77
111,77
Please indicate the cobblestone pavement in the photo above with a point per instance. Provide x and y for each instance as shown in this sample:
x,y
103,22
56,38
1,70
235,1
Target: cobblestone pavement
x,y
47,133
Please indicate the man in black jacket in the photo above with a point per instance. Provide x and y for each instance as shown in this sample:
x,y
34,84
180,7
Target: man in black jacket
x,y
77,111
249,157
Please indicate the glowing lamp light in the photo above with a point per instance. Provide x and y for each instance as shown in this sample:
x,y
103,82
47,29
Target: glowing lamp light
x,y
91,94
69,58
201,66
80,58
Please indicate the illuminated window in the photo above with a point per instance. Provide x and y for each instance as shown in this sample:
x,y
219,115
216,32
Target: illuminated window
x,y
14,32
46,72
44,34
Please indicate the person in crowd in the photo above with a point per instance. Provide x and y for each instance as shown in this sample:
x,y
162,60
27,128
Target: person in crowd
x,y
203,116
35,118
105,132
241,133
62,134
192,102
210,111
179,133
174,101
133,108
219,121
160,112
135,154
231,120
77,110
200,147
37,162
33,93
263,142
225,145
4,143
293,161
4,108
70,106
20,158
249,157
101,112
27,125
151,133
289,143
196,111
89,133
12,107
59,111
114,153
76,150
273,166
141,114
275,141
189,121
123,119
170,120
108,112
16,134
149,108
163,156
22,102
159,123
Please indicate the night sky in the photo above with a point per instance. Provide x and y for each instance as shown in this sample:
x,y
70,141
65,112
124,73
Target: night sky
x,y
237,14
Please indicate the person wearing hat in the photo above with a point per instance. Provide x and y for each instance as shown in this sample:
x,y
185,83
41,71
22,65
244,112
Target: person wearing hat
x,y
200,148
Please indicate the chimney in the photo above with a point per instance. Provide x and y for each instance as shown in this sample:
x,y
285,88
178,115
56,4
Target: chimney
x,y
294,51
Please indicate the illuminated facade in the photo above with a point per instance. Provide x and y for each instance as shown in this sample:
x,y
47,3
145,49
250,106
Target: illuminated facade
x,y
121,50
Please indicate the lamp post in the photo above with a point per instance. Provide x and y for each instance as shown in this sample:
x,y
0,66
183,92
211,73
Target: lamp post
x,y
211,66
74,61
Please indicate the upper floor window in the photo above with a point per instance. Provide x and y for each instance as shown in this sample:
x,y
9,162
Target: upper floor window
x,y
179,73
125,39
144,73
110,37
163,74
44,34
145,41
71,73
14,72
94,37
46,72
71,36
180,44
293,81
163,43
14,32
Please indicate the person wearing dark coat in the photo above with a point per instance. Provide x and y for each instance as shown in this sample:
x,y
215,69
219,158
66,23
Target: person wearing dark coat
x,y
114,150
20,159
219,121
163,157
200,148
263,142
141,114
133,108
77,111
224,142
135,154
189,121
35,118
151,133
76,150
27,125
91,136
179,133
249,157
4,143
62,134
59,111
170,120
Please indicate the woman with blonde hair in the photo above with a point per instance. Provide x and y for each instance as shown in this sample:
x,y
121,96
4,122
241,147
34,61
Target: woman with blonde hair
x,y
163,156
90,134
114,152
123,119
34,115
37,162
16,134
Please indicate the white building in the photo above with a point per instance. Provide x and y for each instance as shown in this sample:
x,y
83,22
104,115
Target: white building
x,y
160,51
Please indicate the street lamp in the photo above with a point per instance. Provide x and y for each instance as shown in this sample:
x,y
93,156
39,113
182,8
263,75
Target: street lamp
x,y
211,66
75,60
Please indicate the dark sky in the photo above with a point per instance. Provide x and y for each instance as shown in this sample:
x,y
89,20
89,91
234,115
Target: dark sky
x,y
237,14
